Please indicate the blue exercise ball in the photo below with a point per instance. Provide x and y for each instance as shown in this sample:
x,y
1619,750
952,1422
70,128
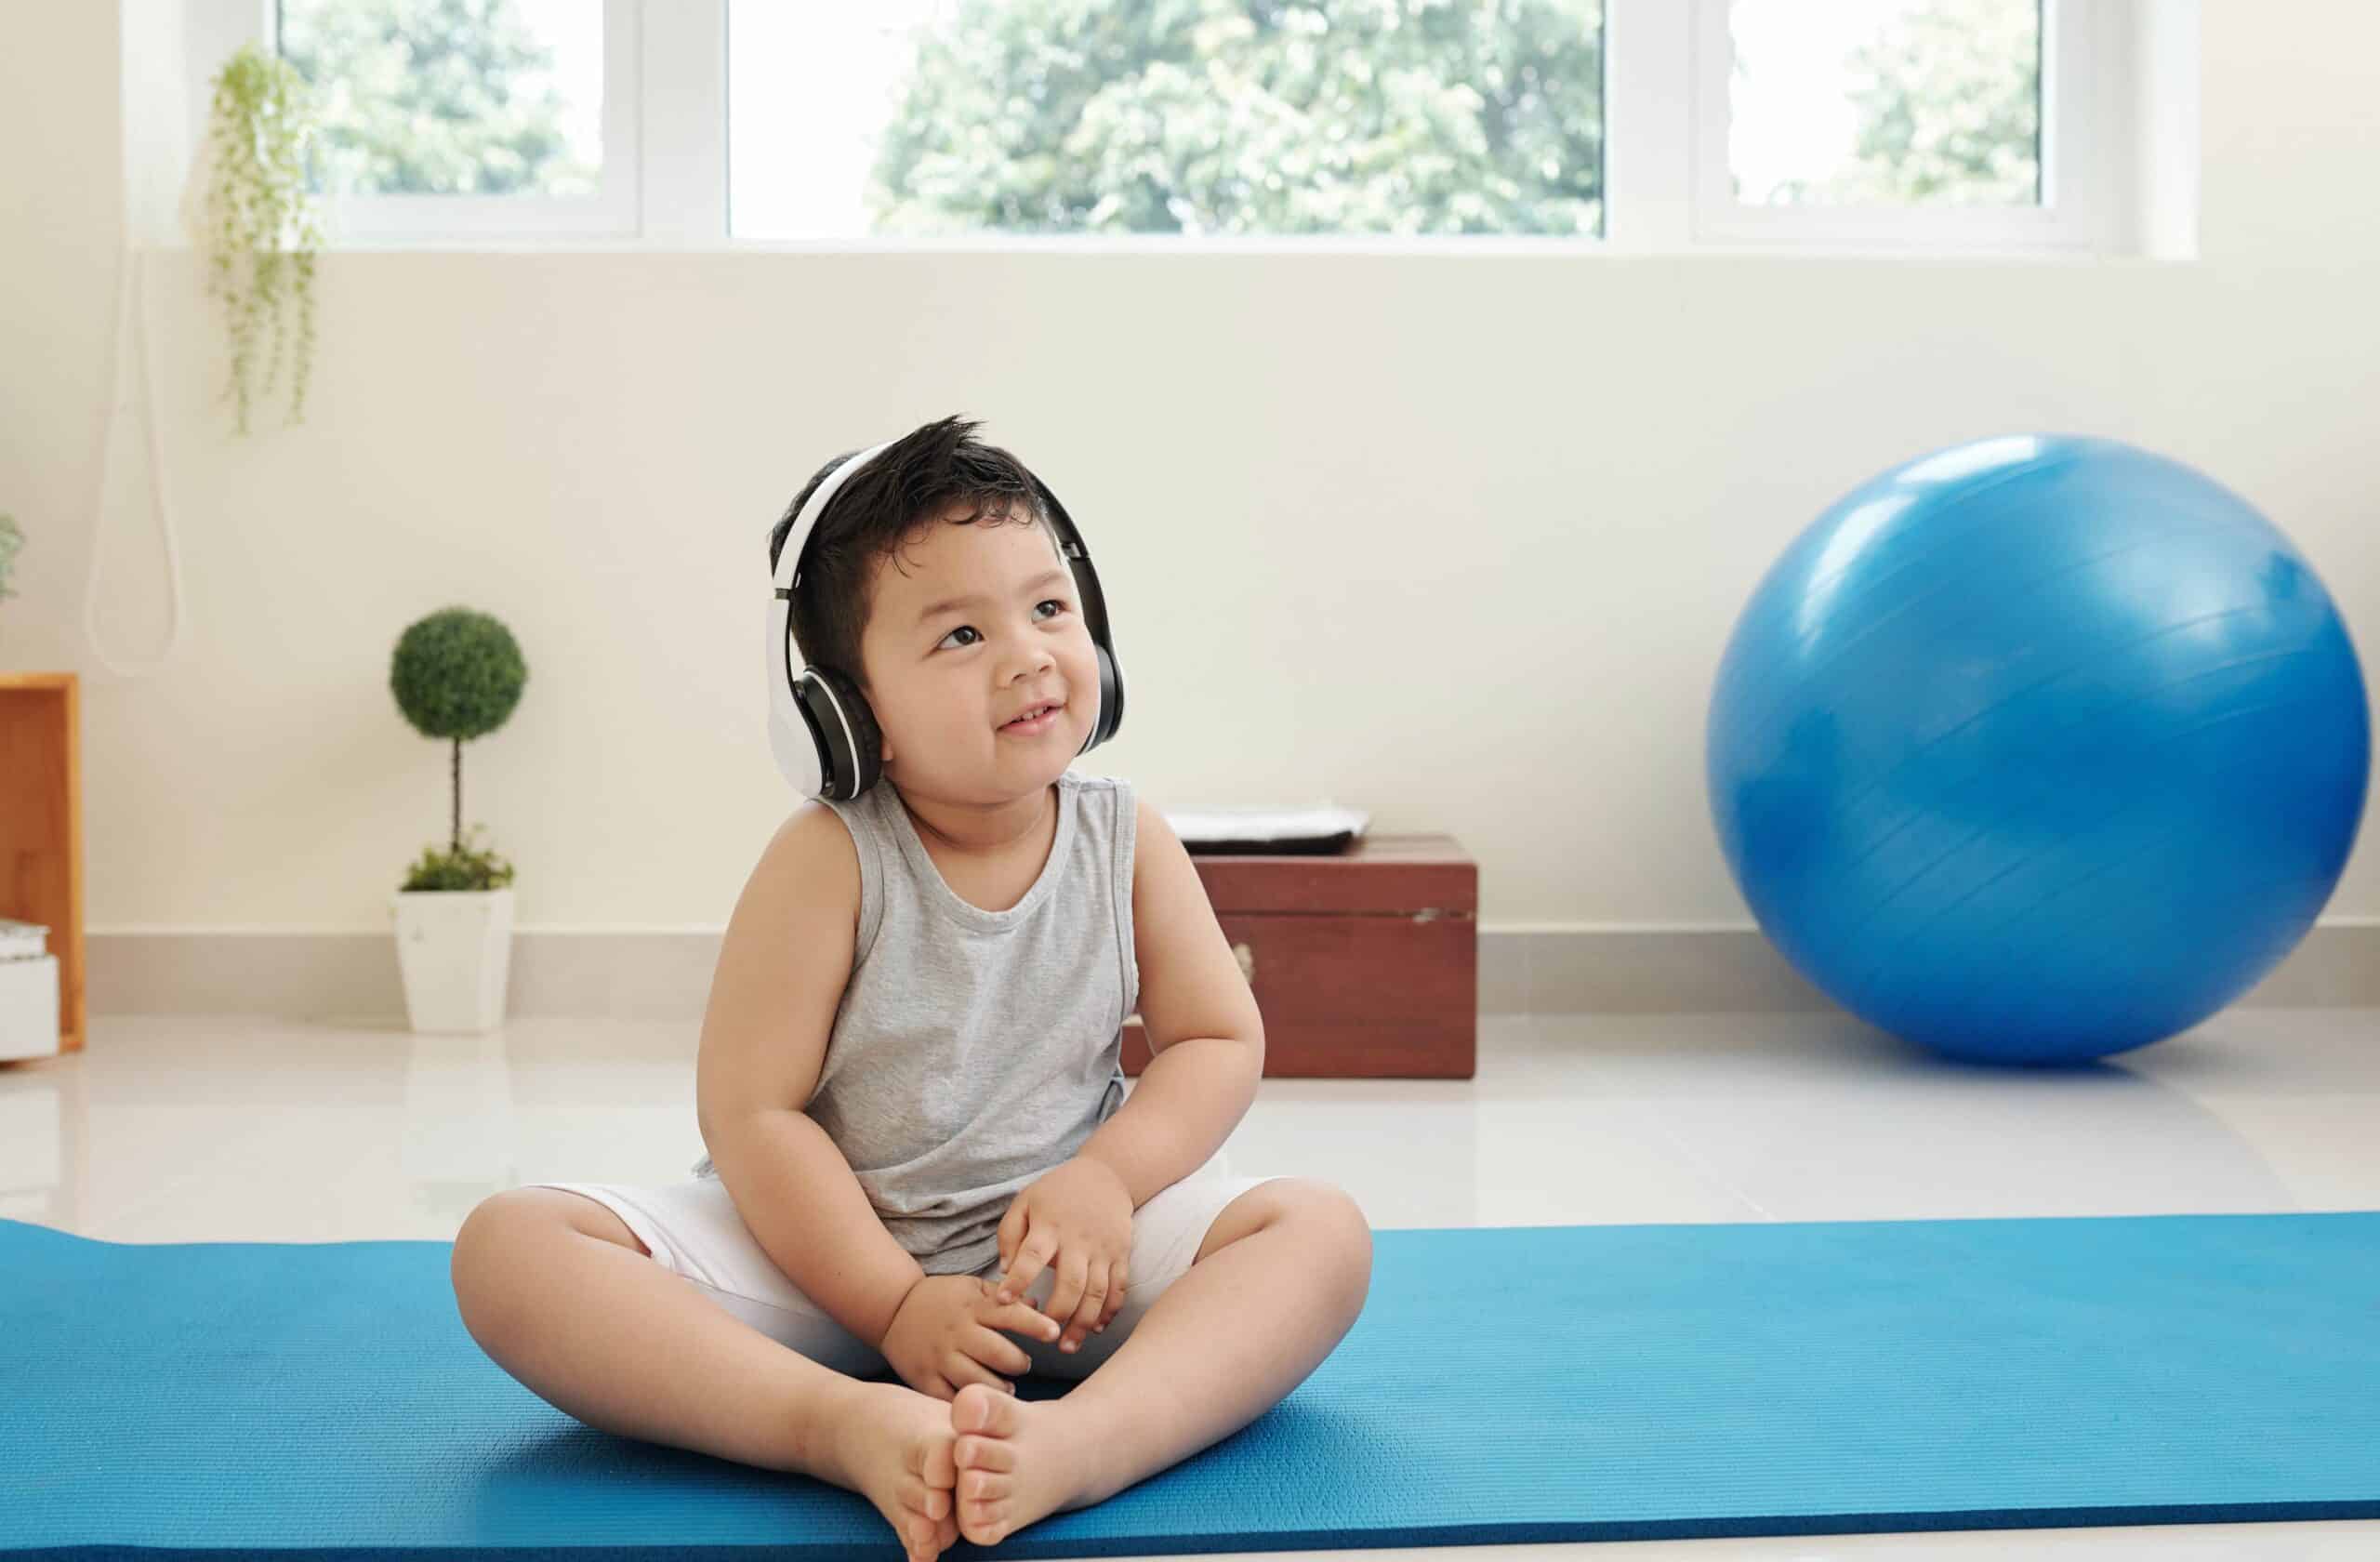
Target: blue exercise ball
x,y
2038,750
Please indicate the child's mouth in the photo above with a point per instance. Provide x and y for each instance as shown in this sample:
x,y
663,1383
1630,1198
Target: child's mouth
x,y
1026,726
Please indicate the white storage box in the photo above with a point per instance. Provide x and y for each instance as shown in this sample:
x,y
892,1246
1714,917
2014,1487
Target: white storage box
x,y
29,1008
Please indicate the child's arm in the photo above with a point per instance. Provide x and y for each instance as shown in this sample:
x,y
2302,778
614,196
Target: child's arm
x,y
782,970
1206,1037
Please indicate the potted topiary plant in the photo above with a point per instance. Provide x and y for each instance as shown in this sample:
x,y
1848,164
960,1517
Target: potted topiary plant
x,y
457,675
255,222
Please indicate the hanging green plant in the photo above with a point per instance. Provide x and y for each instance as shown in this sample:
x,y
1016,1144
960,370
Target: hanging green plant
x,y
261,228
11,540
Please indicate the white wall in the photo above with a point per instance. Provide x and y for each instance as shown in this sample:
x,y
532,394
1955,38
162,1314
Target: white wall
x,y
1454,539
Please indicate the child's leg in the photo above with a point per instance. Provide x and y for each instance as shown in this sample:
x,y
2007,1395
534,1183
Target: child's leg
x,y
1279,1279
557,1291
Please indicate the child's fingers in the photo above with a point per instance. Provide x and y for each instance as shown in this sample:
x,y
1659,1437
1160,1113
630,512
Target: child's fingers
x,y
1023,1319
1020,1318
1095,1304
1001,1353
962,1369
1030,1261
1012,1233
1066,1296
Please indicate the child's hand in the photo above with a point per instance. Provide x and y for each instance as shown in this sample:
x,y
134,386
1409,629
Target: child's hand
x,y
1077,1221
946,1335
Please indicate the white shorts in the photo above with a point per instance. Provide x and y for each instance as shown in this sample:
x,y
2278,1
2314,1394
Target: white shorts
x,y
694,1231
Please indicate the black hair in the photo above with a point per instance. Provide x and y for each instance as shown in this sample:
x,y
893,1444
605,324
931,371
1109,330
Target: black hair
x,y
916,481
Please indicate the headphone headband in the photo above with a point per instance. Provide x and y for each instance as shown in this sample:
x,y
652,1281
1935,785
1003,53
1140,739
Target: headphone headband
x,y
788,570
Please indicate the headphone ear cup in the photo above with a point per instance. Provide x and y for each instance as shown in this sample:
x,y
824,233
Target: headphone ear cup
x,y
856,763
1111,701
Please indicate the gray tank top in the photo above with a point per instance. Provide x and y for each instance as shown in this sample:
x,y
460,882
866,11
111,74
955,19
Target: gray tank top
x,y
974,1051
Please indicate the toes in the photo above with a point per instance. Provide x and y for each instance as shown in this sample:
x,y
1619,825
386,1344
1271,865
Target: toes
x,y
937,1460
975,1453
978,1409
982,1524
982,1486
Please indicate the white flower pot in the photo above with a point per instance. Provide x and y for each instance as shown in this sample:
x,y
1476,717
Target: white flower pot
x,y
29,1008
454,948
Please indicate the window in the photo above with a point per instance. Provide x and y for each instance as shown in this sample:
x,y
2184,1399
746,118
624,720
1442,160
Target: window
x,y
1951,123
1624,126
934,117
1885,102
464,118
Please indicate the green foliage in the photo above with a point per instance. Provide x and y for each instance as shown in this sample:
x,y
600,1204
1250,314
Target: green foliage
x,y
1950,109
457,674
432,97
11,541
261,232
464,865
1250,116
1948,104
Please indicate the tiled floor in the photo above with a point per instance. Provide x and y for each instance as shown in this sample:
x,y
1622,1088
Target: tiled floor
x,y
176,1130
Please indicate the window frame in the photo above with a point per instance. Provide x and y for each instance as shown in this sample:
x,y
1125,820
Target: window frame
x,y
1665,157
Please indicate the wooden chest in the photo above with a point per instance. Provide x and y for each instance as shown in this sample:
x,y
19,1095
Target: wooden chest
x,y
1364,963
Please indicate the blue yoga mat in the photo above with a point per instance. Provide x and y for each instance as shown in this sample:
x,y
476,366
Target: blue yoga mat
x,y
1505,1384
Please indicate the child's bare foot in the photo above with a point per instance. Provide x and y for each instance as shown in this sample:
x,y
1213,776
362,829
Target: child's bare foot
x,y
1018,1462
892,1446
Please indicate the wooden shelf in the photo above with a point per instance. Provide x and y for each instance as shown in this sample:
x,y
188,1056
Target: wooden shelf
x,y
41,824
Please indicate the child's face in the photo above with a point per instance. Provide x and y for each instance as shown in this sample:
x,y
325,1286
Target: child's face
x,y
942,683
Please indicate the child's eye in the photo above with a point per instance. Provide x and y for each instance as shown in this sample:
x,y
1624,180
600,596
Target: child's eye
x,y
969,630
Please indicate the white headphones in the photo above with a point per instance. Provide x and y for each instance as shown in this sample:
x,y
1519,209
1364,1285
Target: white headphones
x,y
820,728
